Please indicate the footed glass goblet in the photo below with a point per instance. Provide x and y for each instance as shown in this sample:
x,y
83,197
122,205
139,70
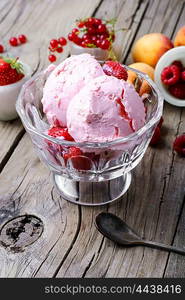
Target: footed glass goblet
x,y
97,173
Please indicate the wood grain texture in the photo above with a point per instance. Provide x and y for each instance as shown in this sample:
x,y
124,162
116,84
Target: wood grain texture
x,y
39,21
154,205
19,194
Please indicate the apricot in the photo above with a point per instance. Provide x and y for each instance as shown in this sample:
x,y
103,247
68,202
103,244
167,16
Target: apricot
x,y
150,47
145,68
142,87
180,37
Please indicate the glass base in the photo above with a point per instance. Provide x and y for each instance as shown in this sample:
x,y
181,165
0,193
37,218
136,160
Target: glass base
x,y
92,193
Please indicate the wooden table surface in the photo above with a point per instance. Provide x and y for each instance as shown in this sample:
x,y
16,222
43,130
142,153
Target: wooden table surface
x,y
70,245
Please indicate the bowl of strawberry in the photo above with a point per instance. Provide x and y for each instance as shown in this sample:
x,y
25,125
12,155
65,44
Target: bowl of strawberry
x,y
13,74
170,76
94,36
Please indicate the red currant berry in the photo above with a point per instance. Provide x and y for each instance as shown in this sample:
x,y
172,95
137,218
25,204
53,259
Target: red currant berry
x,y
105,44
1,49
94,38
91,30
22,38
87,41
97,22
81,24
86,36
102,28
52,58
83,44
59,49
54,43
77,40
103,36
90,21
98,43
13,41
62,41
75,31
70,36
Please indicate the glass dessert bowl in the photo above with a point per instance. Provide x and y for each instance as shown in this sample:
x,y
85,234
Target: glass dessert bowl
x,y
88,173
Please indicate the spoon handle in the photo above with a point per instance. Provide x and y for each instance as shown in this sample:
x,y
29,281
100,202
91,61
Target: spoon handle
x,y
164,247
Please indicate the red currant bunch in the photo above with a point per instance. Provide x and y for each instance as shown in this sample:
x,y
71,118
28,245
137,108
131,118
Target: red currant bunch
x,y
93,33
56,45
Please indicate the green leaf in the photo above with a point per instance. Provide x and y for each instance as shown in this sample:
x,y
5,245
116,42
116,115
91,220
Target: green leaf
x,y
91,45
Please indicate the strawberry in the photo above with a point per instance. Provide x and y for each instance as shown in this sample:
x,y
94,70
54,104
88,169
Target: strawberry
x,y
11,71
78,159
73,152
60,132
114,68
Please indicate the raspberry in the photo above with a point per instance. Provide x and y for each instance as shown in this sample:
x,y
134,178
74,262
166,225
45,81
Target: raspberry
x,y
178,90
178,64
183,75
179,145
156,136
114,68
60,131
73,151
170,75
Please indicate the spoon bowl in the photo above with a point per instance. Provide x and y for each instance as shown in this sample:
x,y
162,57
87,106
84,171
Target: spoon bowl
x,y
118,231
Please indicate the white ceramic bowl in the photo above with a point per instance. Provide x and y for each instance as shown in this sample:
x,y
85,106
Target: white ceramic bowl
x,y
177,53
9,94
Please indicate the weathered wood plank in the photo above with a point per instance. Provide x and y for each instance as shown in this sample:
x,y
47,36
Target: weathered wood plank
x,y
25,183
10,135
176,263
70,245
160,201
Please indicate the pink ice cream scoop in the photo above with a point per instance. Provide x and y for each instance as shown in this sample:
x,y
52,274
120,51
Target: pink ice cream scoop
x,y
105,109
67,79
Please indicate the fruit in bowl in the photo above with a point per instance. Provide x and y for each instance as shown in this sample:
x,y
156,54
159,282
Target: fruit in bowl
x,y
94,36
173,76
13,74
170,76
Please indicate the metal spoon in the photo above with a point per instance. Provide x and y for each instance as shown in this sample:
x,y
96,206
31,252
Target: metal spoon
x,y
118,231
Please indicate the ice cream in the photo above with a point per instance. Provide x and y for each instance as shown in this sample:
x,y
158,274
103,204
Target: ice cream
x,y
67,79
105,109
94,106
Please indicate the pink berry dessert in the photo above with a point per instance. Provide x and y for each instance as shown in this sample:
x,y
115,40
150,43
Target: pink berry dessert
x,y
86,102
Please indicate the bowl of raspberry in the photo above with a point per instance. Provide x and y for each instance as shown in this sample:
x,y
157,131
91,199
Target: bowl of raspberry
x,y
170,76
